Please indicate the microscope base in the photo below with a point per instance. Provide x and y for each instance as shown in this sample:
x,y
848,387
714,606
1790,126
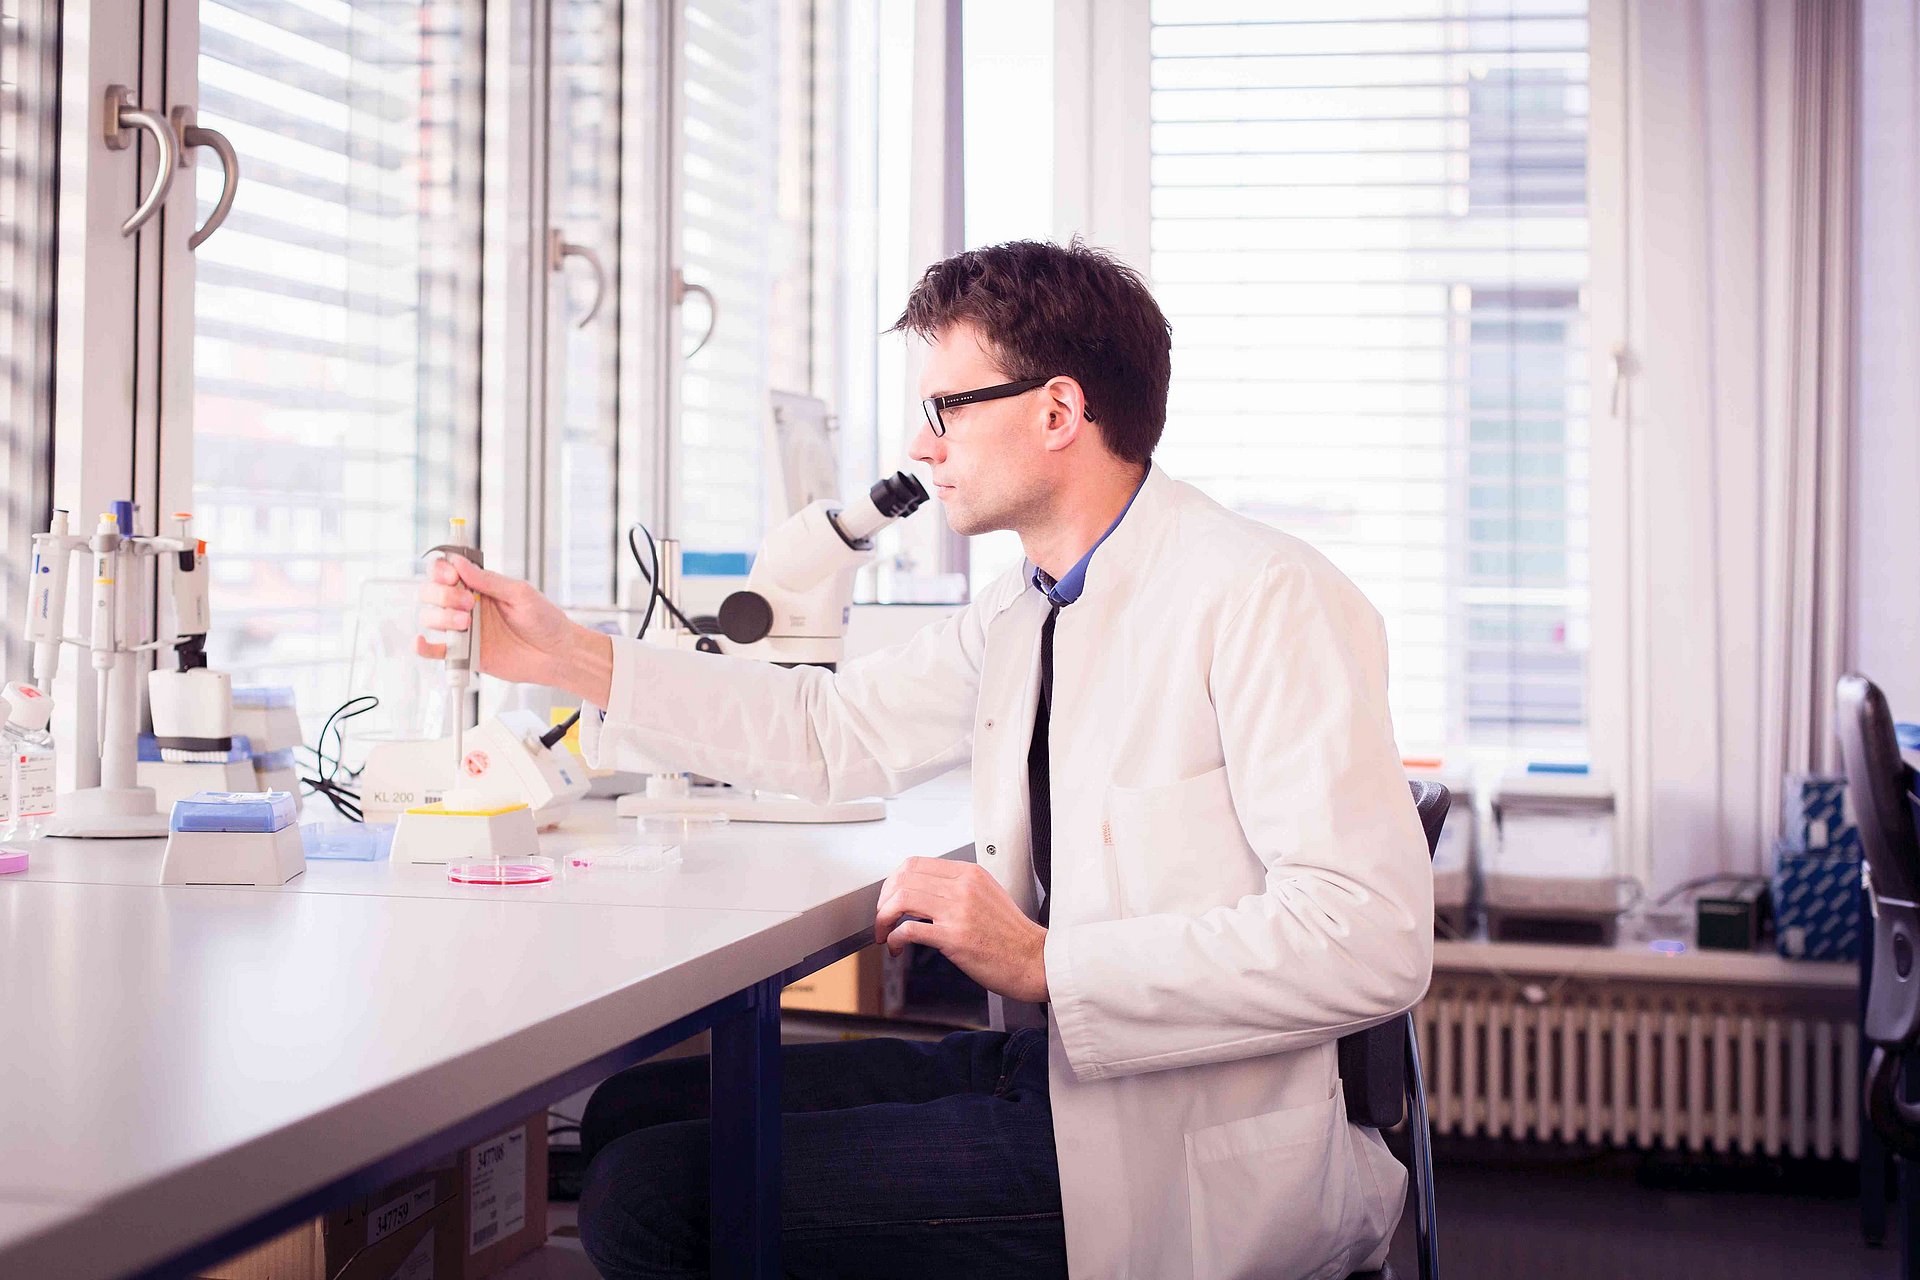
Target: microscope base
x,y
750,806
107,813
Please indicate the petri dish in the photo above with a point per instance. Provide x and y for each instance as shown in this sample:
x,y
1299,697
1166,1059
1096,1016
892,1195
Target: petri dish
x,y
626,857
502,872
678,828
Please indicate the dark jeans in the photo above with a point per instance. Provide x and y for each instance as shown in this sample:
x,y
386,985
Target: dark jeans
x,y
898,1158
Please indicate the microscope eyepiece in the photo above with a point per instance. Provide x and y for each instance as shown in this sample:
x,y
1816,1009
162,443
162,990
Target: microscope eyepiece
x,y
897,495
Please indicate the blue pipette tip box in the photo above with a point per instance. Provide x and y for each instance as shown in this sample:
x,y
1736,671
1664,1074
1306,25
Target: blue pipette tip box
x,y
150,752
253,697
275,760
234,811
347,841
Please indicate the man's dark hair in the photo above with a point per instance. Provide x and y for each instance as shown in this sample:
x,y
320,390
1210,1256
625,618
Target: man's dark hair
x,y
1045,311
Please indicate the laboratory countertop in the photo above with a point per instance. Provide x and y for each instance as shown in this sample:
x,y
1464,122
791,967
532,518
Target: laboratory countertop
x,y
180,1060
829,870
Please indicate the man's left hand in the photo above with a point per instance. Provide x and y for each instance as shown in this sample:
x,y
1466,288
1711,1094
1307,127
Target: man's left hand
x,y
963,913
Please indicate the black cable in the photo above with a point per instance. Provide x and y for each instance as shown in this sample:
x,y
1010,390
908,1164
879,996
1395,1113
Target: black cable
x,y
653,579
345,800
706,643
559,731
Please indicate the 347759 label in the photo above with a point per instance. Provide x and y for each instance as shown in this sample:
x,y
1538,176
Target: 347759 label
x,y
397,1213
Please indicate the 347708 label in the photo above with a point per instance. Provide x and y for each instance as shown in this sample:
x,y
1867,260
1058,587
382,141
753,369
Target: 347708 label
x,y
497,1203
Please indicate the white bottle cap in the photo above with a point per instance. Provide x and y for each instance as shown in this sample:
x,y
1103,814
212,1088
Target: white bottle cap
x,y
27,706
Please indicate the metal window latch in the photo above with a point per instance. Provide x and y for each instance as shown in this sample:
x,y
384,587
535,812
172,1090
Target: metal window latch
x,y
193,135
120,117
1623,365
558,251
681,288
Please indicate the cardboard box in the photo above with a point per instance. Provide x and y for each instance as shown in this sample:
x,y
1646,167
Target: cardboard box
x,y
403,1231
461,1220
1816,816
501,1211
869,983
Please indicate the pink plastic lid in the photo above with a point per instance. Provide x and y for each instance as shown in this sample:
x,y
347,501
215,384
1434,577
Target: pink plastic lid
x,y
12,860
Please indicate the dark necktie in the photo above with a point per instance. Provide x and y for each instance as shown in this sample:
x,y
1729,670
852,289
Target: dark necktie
x,y
1039,794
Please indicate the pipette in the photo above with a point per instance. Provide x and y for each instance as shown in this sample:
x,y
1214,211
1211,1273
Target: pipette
x,y
463,647
106,590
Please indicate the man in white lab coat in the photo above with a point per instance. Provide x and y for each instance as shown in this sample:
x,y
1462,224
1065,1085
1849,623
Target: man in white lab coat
x,y
1198,862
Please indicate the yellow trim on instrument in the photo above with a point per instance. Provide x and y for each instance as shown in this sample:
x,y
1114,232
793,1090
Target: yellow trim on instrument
x,y
441,811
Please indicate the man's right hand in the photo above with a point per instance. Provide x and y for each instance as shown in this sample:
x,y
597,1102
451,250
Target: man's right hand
x,y
524,637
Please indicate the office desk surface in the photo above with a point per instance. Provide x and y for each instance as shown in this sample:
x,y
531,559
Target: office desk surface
x,y
182,1059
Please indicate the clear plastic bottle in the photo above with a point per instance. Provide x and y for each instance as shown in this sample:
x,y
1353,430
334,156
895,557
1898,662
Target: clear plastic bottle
x,y
29,760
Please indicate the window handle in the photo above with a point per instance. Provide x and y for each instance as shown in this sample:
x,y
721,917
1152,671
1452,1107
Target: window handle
x,y
121,118
558,251
1620,360
193,135
681,288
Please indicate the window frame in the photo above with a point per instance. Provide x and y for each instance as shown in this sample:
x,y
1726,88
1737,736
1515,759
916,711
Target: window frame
x,y
1102,114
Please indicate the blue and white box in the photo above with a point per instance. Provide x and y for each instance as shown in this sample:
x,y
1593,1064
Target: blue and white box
x,y
1816,903
1815,815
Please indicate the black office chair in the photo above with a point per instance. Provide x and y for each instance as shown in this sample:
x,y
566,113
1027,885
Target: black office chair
x,y
1380,1075
1882,786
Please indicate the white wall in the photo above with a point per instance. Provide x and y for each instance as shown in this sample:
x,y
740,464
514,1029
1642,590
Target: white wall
x,y
1885,617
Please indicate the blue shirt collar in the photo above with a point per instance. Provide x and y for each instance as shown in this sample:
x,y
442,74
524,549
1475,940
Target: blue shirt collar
x,y
1068,587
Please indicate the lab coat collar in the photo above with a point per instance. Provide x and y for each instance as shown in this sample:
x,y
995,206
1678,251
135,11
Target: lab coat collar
x,y
1126,539
1125,547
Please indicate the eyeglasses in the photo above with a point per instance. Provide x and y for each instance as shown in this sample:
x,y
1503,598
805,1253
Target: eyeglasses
x,y
934,405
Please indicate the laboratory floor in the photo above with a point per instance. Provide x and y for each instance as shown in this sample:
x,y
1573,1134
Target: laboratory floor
x,y
1570,1222
1610,1218
1514,1210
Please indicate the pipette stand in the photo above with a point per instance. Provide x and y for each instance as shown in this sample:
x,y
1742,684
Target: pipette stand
x,y
118,808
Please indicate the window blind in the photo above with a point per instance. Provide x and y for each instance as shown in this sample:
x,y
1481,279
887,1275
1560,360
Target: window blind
x,y
584,159
727,242
29,66
1370,234
336,317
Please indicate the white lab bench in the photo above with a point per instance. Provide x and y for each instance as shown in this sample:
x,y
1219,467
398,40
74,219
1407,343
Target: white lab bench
x,y
185,1070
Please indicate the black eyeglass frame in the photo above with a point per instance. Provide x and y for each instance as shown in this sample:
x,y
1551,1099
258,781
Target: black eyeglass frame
x,y
932,406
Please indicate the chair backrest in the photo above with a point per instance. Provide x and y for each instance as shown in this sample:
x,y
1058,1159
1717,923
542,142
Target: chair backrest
x,y
1881,783
1373,1063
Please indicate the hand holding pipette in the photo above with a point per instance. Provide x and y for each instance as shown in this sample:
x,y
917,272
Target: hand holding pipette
x,y
462,647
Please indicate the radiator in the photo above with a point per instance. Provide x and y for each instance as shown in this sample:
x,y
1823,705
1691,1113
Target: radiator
x,y
1642,1066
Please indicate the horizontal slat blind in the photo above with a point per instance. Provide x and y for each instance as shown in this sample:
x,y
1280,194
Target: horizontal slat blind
x,y
584,157
727,232
1369,231
336,316
29,64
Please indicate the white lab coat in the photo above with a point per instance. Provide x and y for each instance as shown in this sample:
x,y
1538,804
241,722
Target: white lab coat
x,y
1239,876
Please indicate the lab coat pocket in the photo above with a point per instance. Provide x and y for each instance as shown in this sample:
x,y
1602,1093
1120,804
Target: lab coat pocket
x,y
1179,848
1268,1199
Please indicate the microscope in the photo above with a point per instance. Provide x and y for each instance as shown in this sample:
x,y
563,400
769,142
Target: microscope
x,y
794,611
799,595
